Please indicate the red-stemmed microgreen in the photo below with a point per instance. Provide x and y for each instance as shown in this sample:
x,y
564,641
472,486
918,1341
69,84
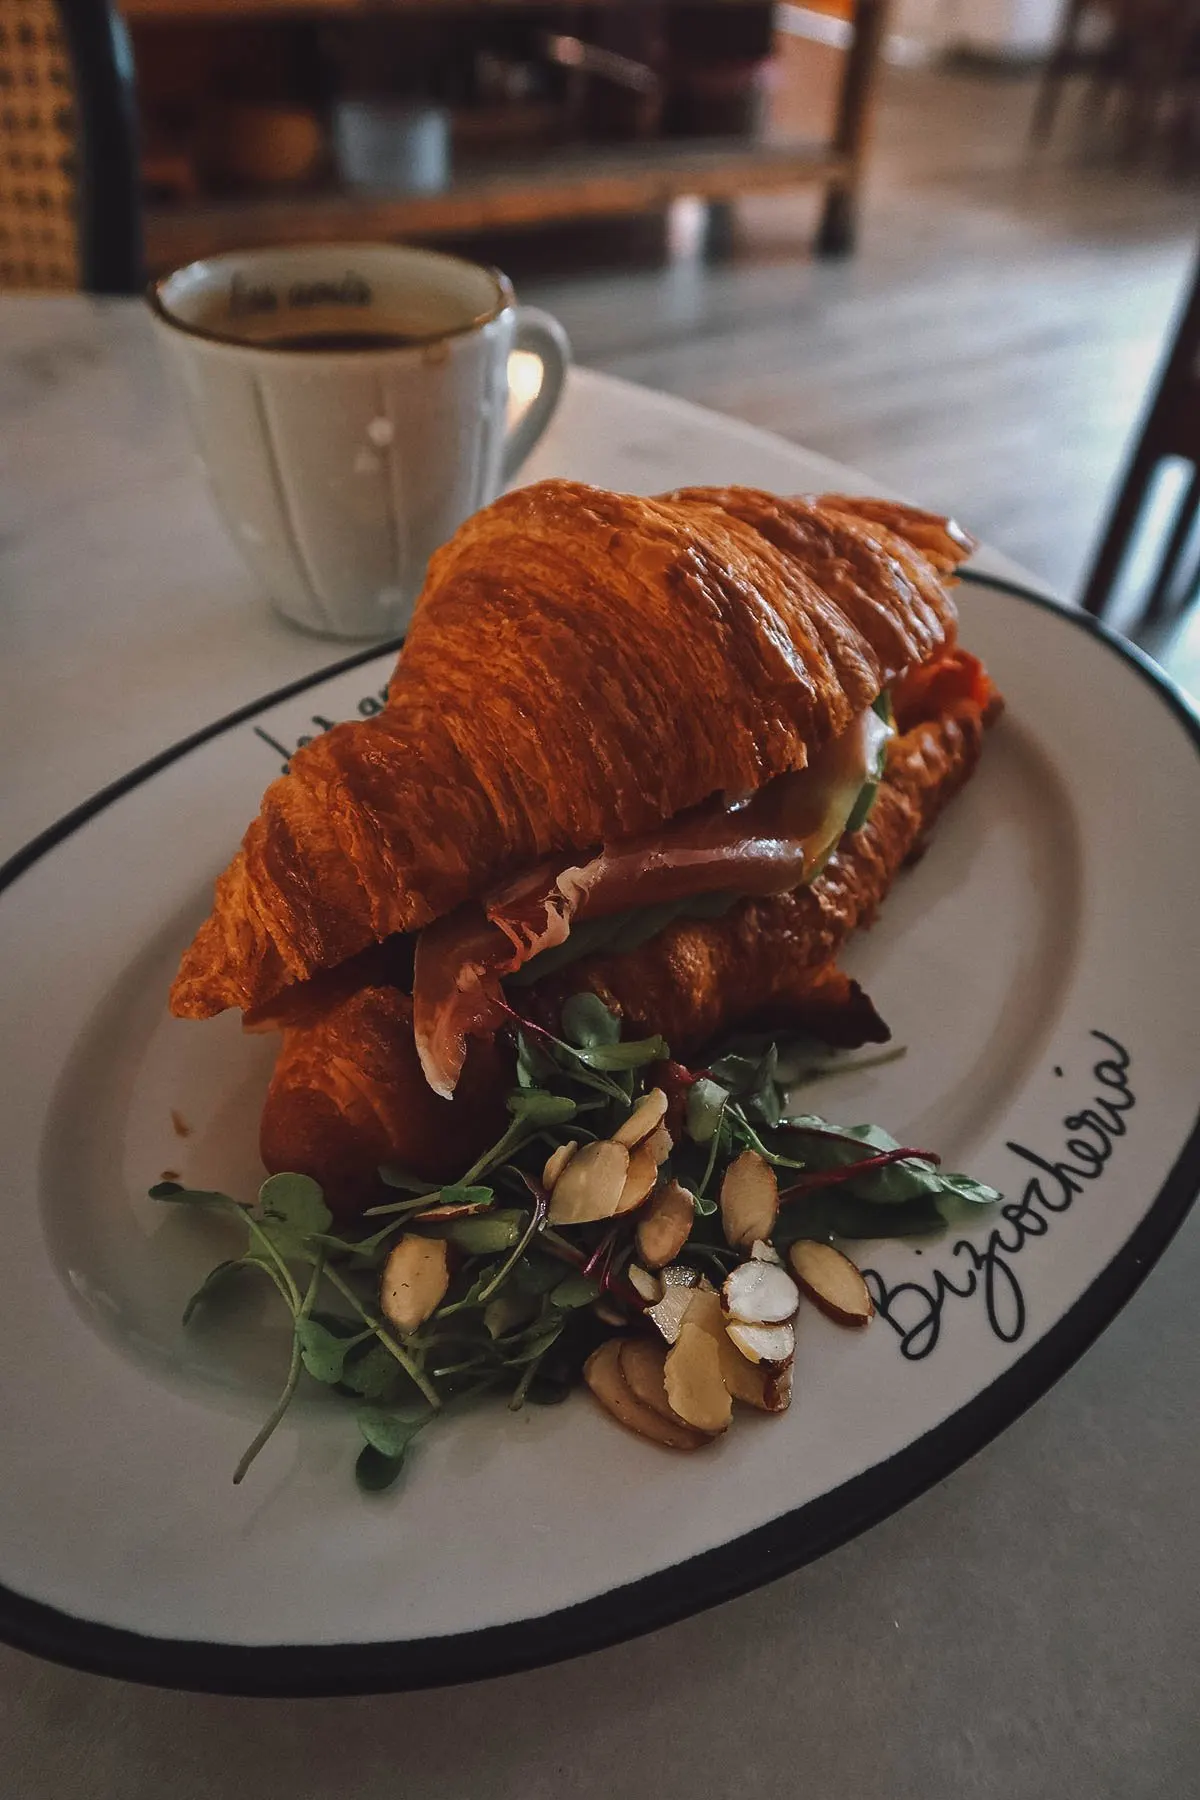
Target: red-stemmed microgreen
x,y
851,1171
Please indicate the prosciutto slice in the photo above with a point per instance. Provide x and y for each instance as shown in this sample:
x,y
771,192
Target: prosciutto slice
x,y
769,843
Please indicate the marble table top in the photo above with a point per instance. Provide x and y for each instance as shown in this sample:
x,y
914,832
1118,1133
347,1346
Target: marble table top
x,y
1027,1628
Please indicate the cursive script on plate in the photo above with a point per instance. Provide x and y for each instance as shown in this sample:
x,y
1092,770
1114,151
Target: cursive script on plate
x,y
368,707
915,1309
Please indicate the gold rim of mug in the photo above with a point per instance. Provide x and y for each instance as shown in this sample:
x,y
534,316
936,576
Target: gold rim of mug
x,y
503,286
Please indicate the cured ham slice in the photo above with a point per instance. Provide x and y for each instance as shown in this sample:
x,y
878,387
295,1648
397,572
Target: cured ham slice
x,y
768,844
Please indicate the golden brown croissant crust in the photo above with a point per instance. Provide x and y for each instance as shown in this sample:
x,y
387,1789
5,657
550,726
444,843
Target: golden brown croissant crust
x,y
348,1094
581,666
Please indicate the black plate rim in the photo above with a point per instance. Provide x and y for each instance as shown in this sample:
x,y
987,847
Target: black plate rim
x,y
684,1589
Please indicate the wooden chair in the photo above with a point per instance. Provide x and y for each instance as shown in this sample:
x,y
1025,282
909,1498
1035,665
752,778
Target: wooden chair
x,y
1171,429
1145,55
70,212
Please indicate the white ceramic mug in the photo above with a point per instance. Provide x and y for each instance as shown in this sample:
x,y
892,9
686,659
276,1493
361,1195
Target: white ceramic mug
x,y
339,469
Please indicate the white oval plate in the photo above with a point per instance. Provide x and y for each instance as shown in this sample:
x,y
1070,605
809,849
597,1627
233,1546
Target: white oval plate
x,y
1041,965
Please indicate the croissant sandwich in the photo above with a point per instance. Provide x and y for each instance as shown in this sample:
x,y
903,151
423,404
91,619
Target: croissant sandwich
x,y
670,750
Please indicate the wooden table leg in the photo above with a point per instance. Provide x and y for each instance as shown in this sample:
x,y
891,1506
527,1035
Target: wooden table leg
x,y
1101,581
1063,61
720,231
839,220
1186,515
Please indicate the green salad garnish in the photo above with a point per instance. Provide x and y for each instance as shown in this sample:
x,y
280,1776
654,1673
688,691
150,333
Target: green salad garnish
x,y
495,1283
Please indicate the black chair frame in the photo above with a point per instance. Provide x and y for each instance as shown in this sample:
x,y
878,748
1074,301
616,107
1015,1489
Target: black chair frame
x,y
109,176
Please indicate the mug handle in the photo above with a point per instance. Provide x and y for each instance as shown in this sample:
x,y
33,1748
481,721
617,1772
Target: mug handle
x,y
541,333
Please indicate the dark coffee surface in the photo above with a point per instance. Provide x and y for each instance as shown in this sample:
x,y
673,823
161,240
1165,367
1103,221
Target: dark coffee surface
x,y
339,340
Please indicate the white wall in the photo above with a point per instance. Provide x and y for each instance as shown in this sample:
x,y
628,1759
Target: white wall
x,y
1001,27
1013,27
920,30
923,20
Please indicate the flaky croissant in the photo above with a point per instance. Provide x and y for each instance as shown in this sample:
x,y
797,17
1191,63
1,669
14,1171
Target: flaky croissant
x,y
582,665
348,1092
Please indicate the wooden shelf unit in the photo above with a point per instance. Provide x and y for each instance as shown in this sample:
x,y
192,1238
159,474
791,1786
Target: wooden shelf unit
x,y
600,182
557,183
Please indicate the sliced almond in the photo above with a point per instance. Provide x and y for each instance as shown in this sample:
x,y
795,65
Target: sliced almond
x,y
777,1384
467,1210
639,1180
832,1281
704,1309
660,1144
763,1251
759,1293
666,1224
602,1373
414,1281
556,1162
648,1286
749,1200
746,1381
591,1184
774,1345
692,1375
668,1313
642,1363
646,1117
